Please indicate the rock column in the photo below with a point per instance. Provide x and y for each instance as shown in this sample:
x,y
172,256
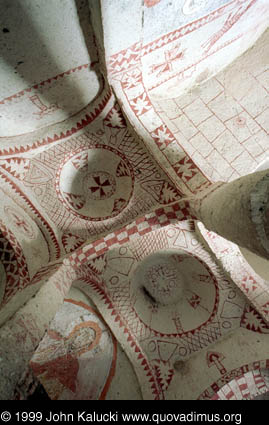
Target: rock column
x,y
238,211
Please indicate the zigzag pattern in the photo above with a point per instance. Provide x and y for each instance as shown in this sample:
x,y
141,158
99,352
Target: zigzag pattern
x,y
174,35
243,270
17,167
184,73
86,120
187,182
130,339
43,83
52,256
124,59
45,272
129,57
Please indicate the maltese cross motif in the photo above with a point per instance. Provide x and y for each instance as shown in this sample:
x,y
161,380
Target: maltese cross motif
x,y
101,185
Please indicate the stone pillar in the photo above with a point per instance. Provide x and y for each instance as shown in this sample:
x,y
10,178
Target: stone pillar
x,y
238,211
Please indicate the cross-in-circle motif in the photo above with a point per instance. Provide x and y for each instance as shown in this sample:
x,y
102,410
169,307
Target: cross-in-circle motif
x,y
100,185
95,183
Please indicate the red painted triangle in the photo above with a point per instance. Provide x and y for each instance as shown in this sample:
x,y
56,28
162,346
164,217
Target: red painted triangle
x,y
84,122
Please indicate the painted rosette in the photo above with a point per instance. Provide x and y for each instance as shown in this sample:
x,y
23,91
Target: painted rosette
x,y
95,184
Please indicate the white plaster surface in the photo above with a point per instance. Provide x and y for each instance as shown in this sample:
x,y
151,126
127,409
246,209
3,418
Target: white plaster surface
x,y
113,127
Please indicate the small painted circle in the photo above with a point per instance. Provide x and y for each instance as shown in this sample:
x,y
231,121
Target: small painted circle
x,y
114,280
226,324
122,250
152,346
171,232
182,351
20,221
232,294
38,191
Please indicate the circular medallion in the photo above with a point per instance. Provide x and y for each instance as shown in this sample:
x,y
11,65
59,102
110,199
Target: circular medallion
x,y
20,222
174,292
95,183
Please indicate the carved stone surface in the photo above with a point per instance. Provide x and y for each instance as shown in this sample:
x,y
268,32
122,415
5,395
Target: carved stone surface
x,y
120,128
